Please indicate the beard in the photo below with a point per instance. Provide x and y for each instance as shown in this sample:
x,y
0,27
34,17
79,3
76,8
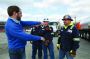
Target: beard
x,y
19,18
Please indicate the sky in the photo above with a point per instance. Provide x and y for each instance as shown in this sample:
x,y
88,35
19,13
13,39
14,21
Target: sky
x,y
54,10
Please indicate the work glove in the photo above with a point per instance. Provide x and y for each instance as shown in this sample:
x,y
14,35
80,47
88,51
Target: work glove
x,y
58,46
73,53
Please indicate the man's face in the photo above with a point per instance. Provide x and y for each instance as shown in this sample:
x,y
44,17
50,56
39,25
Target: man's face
x,y
19,15
66,22
45,23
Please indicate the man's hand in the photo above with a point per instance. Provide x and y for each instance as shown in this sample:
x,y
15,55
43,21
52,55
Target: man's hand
x,y
42,38
73,53
58,46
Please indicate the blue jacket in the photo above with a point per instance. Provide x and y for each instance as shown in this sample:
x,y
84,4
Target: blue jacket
x,y
16,36
69,39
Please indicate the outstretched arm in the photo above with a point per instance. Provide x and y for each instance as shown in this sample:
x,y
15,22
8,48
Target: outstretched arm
x,y
29,23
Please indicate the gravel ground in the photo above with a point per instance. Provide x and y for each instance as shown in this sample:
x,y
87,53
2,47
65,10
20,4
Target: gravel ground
x,y
82,53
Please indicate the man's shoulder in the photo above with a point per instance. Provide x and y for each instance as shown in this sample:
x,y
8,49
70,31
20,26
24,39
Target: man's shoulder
x,y
73,27
9,21
10,24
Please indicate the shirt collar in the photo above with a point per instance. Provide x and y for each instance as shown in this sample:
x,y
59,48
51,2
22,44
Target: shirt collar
x,y
15,20
69,25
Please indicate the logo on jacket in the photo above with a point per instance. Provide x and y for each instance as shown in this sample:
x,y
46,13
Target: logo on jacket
x,y
61,30
70,31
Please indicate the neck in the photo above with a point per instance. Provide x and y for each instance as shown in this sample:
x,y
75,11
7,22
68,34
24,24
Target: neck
x,y
46,25
13,17
67,24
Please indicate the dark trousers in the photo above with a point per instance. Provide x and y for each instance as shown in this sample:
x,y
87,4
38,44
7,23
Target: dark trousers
x,y
17,53
36,48
63,53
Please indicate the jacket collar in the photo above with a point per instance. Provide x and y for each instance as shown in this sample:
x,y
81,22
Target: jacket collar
x,y
15,20
69,25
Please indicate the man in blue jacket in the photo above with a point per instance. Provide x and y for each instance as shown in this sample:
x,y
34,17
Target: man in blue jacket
x,y
16,36
68,40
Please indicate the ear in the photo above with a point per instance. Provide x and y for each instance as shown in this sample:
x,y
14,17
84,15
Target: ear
x,y
14,13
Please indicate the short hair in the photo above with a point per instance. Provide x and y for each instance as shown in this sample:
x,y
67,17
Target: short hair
x,y
12,9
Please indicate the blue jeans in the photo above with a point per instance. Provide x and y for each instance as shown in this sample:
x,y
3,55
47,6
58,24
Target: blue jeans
x,y
34,51
63,53
17,53
51,51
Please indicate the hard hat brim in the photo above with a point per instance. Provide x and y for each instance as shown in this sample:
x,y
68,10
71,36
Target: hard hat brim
x,y
45,21
67,19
